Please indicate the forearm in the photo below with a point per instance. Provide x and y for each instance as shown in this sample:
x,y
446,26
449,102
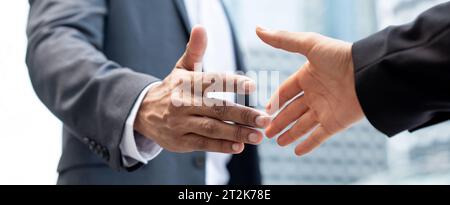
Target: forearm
x,y
402,73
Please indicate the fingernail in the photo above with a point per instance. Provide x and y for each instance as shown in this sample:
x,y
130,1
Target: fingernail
x,y
269,133
253,138
299,153
263,121
236,147
282,142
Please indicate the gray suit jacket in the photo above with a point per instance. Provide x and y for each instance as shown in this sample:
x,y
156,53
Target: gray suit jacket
x,y
88,61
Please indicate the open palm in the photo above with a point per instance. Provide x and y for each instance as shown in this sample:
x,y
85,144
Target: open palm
x,y
321,93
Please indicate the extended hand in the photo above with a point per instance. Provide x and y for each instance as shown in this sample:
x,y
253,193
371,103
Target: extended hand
x,y
191,122
327,102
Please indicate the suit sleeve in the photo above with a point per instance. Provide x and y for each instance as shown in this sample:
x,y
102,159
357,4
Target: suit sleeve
x,y
403,73
89,93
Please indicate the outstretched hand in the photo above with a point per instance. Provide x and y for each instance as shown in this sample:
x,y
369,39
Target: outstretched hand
x,y
322,91
187,120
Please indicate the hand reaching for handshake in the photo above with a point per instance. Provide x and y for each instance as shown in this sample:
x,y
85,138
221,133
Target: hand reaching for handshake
x,y
321,93
320,99
181,123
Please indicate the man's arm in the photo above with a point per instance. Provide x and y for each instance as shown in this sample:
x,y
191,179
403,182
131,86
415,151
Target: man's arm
x,y
94,97
89,93
403,73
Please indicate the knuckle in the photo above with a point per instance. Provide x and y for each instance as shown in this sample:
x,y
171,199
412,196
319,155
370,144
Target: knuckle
x,y
247,116
176,106
219,111
292,136
315,142
289,135
209,126
167,115
178,83
176,79
238,134
298,131
276,125
172,122
282,92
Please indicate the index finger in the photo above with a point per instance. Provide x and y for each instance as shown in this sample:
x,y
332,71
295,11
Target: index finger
x,y
287,91
227,111
224,82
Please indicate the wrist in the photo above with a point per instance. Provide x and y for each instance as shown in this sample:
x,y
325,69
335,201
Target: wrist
x,y
143,122
358,111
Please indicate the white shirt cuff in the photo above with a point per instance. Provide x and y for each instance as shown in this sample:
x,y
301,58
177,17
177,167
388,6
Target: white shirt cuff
x,y
134,147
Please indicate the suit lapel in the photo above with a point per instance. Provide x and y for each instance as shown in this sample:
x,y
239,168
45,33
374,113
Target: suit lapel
x,y
181,8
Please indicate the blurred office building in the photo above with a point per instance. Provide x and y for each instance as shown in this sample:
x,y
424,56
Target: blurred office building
x,y
347,158
422,157
397,12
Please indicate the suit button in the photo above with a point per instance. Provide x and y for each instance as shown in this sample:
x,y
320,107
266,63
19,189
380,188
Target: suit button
x,y
86,140
199,162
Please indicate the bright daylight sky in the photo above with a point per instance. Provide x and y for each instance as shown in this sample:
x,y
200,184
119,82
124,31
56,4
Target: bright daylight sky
x,y
29,134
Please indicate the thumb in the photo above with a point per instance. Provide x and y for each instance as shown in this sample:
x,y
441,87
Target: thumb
x,y
293,42
195,49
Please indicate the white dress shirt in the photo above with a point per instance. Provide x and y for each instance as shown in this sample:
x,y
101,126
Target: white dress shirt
x,y
219,57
